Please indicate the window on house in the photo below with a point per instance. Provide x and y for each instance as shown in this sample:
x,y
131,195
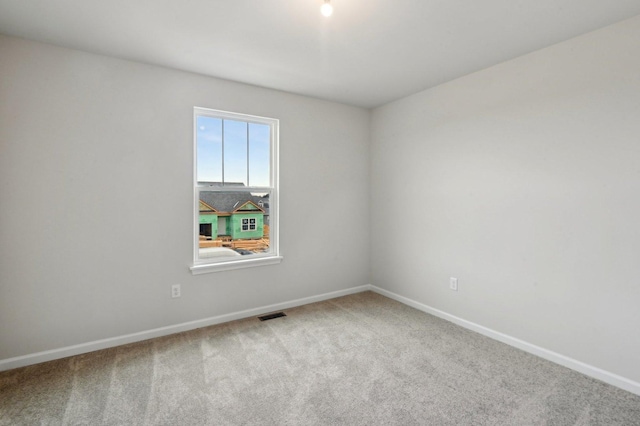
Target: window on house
x,y
249,224
236,191
205,230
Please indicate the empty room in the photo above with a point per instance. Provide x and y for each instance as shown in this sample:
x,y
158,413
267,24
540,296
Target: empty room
x,y
319,212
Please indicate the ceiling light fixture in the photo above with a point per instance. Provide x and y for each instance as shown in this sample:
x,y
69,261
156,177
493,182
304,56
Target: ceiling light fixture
x,y
326,8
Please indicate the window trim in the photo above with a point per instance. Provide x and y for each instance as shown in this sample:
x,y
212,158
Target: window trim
x,y
202,266
250,224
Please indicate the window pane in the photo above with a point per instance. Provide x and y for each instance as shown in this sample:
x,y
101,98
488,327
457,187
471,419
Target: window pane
x,y
259,154
235,152
209,149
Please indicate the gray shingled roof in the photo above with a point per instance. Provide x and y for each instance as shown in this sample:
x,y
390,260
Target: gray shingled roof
x,y
226,202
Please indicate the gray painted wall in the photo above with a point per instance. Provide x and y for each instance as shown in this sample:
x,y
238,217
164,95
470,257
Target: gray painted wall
x,y
96,198
523,181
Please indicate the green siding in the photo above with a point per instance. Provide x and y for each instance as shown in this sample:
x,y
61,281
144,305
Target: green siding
x,y
235,225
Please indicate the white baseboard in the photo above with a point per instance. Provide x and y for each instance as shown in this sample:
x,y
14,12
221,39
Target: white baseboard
x,y
22,361
589,370
586,369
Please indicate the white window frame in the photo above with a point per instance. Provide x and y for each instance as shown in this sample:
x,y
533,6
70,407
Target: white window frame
x,y
250,223
273,256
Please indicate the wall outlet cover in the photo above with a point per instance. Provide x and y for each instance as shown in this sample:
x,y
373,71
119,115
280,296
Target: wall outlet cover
x,y
453,283
175,290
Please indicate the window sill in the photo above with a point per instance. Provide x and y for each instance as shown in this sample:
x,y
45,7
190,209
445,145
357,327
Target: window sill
x,y
206,268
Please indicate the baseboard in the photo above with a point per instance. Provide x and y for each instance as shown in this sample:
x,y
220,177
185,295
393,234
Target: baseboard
x,y
22,361
586,369
589,370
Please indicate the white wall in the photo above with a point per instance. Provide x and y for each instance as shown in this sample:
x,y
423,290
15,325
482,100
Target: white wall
x,y
96,198
523,181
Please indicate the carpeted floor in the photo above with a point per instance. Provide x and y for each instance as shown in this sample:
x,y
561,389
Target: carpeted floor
x,y
356,360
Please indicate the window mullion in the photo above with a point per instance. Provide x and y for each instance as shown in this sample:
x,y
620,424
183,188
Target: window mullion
x,y
223,151
248,183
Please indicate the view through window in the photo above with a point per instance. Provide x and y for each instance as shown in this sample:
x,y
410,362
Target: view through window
x,y
235,186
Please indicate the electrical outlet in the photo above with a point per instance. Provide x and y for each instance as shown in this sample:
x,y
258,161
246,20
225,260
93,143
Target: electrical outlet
x,y
453,284
175,290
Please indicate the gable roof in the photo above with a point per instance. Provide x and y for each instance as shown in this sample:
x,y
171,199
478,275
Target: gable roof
x,y
206,208
248,206
232,201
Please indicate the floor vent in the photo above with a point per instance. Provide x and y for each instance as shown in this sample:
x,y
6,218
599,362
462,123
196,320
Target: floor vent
x,y
272,316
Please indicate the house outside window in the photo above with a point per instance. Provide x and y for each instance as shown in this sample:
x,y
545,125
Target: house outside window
x,y
235,191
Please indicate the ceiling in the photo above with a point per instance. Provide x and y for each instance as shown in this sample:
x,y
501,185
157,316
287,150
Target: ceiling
x,y
368,53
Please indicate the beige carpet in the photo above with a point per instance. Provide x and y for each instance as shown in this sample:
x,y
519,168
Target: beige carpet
x,y
356,360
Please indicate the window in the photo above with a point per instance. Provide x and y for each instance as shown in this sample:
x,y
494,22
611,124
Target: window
x,y
205,230
236,191
249,224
